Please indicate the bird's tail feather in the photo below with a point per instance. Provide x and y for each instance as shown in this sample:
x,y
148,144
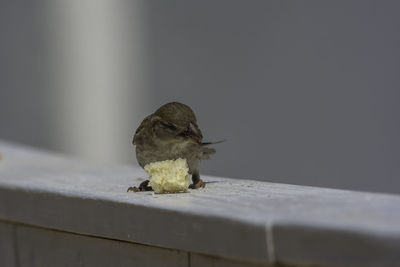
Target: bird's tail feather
x,y
207,152
212,143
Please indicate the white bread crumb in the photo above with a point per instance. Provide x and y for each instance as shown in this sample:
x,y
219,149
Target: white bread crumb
x,y
168,176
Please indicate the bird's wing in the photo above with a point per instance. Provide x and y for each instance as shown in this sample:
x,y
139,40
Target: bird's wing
x,y
140,128
148,123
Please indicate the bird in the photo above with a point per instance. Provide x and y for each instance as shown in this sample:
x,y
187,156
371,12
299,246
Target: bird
x,y
171,132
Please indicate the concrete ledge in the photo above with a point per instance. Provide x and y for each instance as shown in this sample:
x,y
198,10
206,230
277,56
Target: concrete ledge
x,y
40,247
231,221
8,255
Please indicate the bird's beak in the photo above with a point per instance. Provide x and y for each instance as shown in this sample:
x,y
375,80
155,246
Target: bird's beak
x,y
195,132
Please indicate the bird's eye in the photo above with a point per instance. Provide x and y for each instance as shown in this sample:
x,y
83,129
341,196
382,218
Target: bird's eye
x,y
170,126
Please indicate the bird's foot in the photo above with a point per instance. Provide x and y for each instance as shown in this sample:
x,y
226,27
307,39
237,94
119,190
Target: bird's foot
x,y
144,186
199,184
133,189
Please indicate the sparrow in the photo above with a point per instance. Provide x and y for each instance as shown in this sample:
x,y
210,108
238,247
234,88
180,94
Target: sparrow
x,y
171,132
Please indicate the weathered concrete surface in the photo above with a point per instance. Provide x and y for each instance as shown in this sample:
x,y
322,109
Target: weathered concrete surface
x,y
237,219
197,260
40,247
302,245
8,256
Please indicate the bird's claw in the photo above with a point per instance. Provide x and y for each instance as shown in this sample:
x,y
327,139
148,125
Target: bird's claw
x,y
133,188
198,184
144,186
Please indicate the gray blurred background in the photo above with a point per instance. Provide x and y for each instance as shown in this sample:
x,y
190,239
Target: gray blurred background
x,y
304,92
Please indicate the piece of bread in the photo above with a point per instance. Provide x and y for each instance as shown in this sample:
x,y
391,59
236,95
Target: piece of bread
x,y
168,176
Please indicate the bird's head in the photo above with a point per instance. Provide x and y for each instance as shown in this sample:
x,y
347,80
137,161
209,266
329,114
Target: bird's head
x,y
177,120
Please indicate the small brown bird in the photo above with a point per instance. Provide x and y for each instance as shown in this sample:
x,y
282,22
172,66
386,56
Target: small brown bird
x,y
168,134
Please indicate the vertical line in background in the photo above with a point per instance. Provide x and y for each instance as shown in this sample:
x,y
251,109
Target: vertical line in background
x,y
270,243
97,66
16,246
